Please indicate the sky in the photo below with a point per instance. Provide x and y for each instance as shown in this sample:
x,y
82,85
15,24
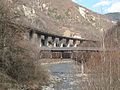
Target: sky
x,y
100,6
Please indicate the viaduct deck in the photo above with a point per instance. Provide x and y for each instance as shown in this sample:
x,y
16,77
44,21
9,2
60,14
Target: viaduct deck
x,y
76,49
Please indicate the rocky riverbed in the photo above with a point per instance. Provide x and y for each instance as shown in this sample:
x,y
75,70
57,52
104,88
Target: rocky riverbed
x,y
64,76
70,75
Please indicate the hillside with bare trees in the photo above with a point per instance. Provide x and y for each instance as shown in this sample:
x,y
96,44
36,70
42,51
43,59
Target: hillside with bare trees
x,y
20,62
18,58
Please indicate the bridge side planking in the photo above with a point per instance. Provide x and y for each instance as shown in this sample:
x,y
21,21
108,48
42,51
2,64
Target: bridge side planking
x,y
76,49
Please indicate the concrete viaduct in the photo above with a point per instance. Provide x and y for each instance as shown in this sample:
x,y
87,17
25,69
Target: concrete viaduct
x,y
55,41
55,46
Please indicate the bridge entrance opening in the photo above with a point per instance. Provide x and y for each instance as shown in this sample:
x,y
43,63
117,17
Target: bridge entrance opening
x,y
66,54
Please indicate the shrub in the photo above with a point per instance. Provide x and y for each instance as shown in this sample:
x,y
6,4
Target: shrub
x,y
19,58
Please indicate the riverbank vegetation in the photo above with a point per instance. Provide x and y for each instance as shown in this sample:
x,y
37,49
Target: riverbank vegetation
x,y
19,67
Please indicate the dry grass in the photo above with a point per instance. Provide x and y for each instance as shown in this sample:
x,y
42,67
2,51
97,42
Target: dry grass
x,y
19,58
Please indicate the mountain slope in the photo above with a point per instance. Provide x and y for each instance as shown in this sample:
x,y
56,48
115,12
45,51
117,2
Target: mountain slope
x,y
114,16
58,17
75,18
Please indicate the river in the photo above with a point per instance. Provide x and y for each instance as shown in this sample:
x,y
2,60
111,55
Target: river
x,y
74,76
70,74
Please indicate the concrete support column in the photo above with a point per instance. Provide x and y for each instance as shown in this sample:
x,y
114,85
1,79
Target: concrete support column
x,y
74,43
54,42
30,35
61,42
46,41
67,42
58,42
61,55
50,41
27,36
81,41
40,40
34,38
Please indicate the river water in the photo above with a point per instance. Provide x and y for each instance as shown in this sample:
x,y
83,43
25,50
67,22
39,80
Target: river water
x,y
64,72
70,76
73,76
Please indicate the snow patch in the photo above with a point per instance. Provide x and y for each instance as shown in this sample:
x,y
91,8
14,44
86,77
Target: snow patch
x,y
93,18
77,37
29,12
114,22
82,11
44,5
